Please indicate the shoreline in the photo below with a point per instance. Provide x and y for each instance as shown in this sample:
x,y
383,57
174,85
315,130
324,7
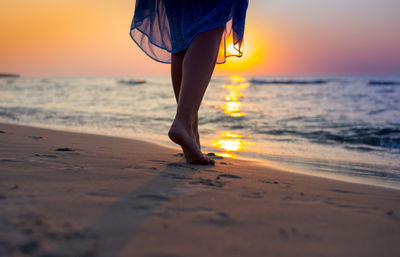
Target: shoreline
x,y
72,194
261,162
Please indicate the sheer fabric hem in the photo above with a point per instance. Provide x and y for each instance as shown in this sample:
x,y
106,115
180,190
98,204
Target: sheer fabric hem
x,y
144,37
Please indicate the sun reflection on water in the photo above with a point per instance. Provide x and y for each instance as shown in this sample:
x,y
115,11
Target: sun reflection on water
x,y
233,104
227,141
230,142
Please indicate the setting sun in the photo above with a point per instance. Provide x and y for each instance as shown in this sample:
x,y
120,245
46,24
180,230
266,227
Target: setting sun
x,y
232,49
253,53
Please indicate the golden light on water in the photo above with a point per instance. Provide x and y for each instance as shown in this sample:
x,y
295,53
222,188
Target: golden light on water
x,y
236,87
229,145
233,104
227,141
237,79
231,142
227,134
232,107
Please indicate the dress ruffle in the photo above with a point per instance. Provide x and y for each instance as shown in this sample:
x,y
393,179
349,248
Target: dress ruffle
x,y
162,27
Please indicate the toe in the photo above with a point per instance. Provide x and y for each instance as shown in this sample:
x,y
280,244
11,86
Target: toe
x,y
203,161
208,161
211,161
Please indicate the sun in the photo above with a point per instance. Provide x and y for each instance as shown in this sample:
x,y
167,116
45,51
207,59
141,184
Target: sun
x,y
253,50
230,49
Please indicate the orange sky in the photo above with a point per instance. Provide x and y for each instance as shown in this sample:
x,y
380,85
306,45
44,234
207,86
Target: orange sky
x,y
91,38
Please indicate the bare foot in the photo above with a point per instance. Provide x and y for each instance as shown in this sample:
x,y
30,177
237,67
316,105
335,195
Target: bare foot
x,y
186,139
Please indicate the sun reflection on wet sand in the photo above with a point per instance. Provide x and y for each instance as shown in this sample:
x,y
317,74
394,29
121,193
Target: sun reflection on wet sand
x,y
230,142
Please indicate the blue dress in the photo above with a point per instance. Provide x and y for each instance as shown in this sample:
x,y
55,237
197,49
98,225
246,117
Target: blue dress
x,y
162,27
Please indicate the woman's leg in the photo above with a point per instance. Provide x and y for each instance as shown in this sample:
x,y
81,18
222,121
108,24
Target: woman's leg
x,y
176,75
197,67
176,72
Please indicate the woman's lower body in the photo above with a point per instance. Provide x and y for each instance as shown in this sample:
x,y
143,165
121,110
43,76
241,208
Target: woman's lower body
x,y
191,71
193,36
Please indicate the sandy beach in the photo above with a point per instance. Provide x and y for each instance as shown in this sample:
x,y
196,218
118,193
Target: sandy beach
x,y
71,194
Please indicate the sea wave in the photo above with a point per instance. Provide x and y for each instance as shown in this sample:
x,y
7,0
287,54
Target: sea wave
x,y
388,138
383,83
288,82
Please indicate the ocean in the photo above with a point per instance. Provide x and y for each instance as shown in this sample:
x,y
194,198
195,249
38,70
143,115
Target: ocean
x,y
341,127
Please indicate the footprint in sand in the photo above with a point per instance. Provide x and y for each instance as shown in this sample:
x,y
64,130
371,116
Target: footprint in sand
x,y
163,255
101,193
154,197
208,182
174,176
139,167
65,149
344,191
215,218
159,161
142,207
228,176
202,215
284,184
390,212
209,170
48,156
346,206
71,169
70,151
269,182
252,195
286,233
8,160
179,165
36,137
192,210
28,232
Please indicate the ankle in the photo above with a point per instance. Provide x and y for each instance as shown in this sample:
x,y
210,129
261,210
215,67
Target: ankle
x,y
179,122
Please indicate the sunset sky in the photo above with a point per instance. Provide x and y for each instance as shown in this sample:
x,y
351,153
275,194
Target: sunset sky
x,y
91,38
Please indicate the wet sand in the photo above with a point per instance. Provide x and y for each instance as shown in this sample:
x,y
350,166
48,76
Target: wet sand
x,y
71,194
